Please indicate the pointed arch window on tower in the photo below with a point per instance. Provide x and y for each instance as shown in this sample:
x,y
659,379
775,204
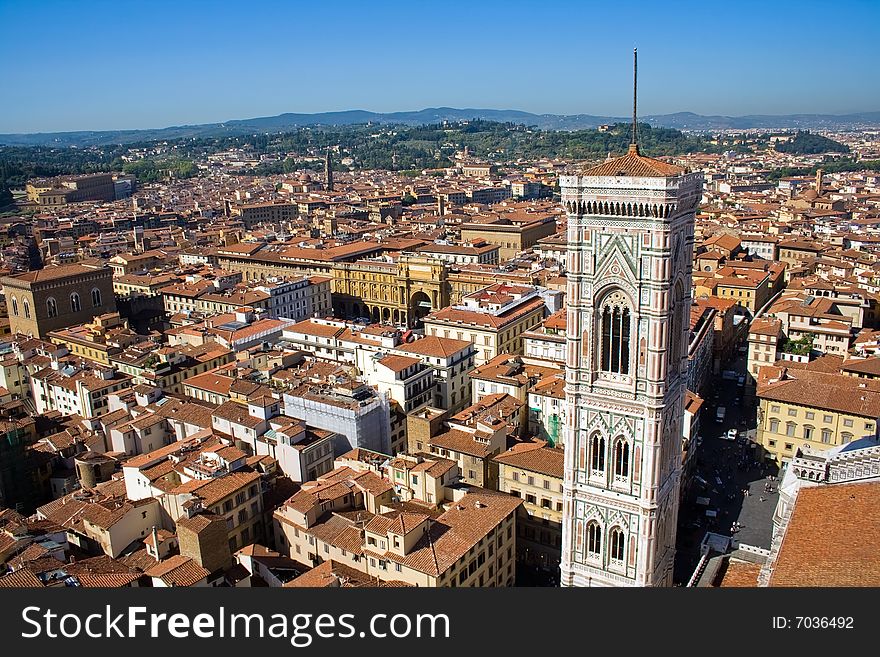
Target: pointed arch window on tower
x,y
75,303
621,459
616,327
616,544
51,307
96,297
597,454
594,540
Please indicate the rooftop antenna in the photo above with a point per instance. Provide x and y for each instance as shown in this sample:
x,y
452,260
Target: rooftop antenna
x,y
634,141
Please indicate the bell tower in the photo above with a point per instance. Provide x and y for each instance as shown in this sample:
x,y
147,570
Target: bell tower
x,y
630,245
328,171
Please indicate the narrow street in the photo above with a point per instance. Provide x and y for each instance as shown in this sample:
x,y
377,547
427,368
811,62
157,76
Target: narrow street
x,y
728,485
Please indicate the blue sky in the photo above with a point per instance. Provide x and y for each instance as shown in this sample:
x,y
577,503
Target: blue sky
x,y
93,65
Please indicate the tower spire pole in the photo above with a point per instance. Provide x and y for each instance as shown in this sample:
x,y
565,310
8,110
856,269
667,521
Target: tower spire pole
x,y
634,142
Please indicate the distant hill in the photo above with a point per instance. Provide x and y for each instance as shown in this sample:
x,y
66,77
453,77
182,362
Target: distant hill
x,y
290,121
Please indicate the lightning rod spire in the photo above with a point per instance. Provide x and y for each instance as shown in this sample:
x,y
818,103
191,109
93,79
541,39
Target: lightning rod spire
x,y
634,142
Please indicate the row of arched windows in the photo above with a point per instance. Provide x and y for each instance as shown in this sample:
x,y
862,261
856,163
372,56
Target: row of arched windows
x,y
52,304
597,455
616,541
663,210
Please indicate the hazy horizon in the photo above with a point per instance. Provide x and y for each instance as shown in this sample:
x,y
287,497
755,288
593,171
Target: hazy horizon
x,y
622,117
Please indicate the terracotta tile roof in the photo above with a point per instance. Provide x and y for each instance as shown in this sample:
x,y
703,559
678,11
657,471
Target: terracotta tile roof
x,y
556,321
802,245
396,523
178,571
435,467
635,165
511,369
54,272
198,523
318,329
766,326
456,531
435,347
499,407
398,363
212,382
102,572
462,442
236,413
107,514
31,553
20,579
740,574
333,573
862,365
535,457
724,241
212,491
821,390
63,510
151,459
832,538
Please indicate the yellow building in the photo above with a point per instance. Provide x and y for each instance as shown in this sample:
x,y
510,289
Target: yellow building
x,y
97,341
534,472
801,407
72,189
133,286
398,292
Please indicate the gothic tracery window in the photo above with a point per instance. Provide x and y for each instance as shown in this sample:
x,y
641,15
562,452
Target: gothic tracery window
x,y
96,297
621,458
75,304
597,453
594,539
616,327
616,544
51,307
